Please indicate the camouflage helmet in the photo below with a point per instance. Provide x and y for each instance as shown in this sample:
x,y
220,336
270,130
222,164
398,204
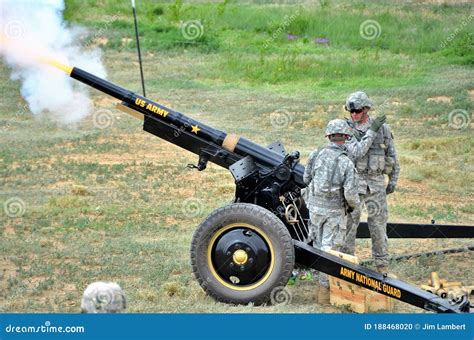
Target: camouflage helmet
x,y
357,101
103,297
338,126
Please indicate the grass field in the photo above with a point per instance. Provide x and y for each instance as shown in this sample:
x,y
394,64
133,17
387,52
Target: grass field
x,y
104,200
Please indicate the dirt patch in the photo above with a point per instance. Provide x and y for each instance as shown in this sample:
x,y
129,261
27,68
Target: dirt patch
x,y
34,281
101,41
471,94
66,261
423,194
440,99
126,41
8,270
396,102
61,184
415,186
8,230
69,287
58,245
105,101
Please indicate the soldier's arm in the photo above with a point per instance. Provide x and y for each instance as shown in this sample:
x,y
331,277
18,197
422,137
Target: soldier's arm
x,y
391,152
357,149
351,185
308,170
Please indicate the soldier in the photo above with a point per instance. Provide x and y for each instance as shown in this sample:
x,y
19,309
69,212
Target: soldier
x,y
331,184
380,160
103,297
355,149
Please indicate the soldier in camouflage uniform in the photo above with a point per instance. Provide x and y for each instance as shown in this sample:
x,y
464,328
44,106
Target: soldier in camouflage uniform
x,y
380,160
103,297
355,149
332,184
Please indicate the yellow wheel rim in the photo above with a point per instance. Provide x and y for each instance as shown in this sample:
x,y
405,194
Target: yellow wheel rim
x,y
219,278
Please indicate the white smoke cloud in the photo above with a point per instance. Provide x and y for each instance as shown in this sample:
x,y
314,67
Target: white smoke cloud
x,y
35,29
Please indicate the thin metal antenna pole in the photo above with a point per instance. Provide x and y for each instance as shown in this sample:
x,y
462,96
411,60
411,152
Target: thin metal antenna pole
x,y
138,47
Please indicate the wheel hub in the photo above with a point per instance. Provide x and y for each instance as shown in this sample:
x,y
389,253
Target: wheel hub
x,y
240,256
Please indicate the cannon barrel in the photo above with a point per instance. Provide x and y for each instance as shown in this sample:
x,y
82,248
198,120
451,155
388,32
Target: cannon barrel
x,y
147,106
236,144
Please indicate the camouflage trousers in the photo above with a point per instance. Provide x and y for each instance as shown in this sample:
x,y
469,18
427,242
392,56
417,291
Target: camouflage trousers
x,y
328,232
377,210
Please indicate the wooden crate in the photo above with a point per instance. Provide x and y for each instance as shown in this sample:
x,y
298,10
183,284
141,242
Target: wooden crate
x,y
360,300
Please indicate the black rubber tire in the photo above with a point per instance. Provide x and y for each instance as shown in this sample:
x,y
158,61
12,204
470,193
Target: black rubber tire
x,y
267,223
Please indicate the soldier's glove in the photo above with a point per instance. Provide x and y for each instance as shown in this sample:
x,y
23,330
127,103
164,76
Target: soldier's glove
x,y
377,123
390,188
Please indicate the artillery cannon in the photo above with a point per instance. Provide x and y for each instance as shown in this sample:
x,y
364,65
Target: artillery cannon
x,y
242,252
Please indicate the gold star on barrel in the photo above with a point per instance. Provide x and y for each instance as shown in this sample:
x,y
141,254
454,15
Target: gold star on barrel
x,y
195,129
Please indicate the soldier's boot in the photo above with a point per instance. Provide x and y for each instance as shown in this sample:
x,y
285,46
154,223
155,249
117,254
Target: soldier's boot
x,y
323,295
